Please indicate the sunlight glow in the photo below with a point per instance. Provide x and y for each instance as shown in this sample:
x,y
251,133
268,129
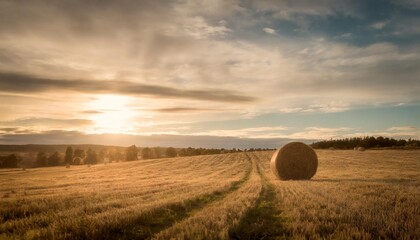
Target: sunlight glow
x,y
115,114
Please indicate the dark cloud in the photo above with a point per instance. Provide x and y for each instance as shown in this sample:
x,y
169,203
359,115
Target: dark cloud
x,y
8,129
10,82
91,112
182,109
51,122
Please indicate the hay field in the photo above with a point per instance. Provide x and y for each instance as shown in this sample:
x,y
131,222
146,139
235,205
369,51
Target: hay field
x,y
361,195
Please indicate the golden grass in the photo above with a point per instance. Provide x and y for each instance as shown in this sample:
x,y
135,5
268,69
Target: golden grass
x,y
362,195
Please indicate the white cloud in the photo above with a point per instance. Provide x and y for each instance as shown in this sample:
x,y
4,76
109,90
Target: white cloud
x,y
346,35
257,132
404,128
379,25
270,31
330,107
199,28
320,133
399,132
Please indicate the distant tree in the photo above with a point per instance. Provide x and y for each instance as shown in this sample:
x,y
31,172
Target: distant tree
x,y
68,159
366,142
102,155
54,159
146,153
77,161
41,159
190,151
171,152
131,153
10,161
91,157
182,152
157,152
115,155
80,153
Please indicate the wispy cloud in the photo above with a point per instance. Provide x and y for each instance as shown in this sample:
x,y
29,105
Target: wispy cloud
x,y
182,109
34,84
379,25
257,132
46,122
321,133
269,31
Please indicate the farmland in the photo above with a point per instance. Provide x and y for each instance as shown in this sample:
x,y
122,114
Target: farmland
x,y
361,195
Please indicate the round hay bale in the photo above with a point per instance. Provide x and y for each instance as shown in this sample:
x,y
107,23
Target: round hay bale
x,y
294,161
355,148
361,149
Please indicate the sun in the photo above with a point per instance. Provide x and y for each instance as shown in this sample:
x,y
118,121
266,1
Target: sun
x,y
114,114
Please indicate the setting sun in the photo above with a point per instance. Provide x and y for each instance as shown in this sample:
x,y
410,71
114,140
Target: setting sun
x,y
114,114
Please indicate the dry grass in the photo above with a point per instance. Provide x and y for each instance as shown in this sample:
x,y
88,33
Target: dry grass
x,y
215,221
362,195
89,202
374,194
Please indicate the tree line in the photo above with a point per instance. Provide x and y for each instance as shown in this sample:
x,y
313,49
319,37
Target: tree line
x,y
366,142
78,156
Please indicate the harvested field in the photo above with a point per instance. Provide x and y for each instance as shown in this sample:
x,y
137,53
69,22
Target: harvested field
x,y
362,195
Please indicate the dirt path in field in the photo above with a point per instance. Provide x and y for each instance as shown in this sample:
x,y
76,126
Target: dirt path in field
x,y
215,220
163,218
264,220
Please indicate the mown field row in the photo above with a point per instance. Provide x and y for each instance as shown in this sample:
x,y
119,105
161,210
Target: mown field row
x,y
372,194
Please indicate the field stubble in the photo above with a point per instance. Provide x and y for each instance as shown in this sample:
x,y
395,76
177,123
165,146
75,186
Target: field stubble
x,y
362,195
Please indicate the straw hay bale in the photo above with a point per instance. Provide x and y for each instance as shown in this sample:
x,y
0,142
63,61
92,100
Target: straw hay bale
x,y
294,161
361,149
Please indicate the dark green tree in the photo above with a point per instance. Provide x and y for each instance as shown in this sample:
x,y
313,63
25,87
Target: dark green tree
x,y
131,153
157,152
54,159
146,153
102,155
10,161
80,153
41,159
91,157
171,152
68,159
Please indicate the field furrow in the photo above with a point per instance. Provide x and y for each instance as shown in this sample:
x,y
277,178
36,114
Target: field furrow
x,y
264,220
116,199
216,220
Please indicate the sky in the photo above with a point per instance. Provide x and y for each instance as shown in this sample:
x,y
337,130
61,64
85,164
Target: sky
x,y
221,73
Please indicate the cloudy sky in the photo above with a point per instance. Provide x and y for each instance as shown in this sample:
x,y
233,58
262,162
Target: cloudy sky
x,y
208,73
